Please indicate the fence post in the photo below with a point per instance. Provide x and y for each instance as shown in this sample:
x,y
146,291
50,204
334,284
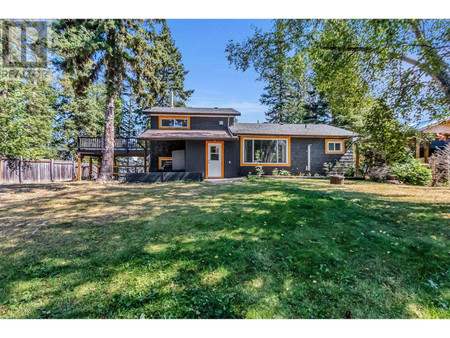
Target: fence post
x,y
20,170
52,179
73,169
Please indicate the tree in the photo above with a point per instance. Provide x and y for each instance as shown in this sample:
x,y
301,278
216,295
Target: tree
x,y
268,53
171,70
353,62
26,119
122,54
79,115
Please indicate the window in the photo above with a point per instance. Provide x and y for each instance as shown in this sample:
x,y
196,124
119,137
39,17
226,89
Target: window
x,y
266,151
334,146
180,122
164,162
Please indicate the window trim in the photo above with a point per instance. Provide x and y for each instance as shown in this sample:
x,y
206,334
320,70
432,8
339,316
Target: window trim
x,y
341,141
253,137
166,117
160,159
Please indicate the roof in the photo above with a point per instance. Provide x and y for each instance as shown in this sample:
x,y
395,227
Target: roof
x,y
174,135
192,111
289,129
421,126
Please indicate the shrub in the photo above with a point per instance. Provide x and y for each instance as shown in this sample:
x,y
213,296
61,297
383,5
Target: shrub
x,y
412,172
259,170
284,173
378,173
275,172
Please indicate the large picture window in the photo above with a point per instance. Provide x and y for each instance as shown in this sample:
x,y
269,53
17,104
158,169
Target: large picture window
x,y
266,151
181,122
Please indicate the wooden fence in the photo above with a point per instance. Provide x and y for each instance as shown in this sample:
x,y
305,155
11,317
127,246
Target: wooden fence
x,y
33,171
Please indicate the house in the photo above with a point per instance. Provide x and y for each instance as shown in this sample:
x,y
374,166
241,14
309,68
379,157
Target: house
x,y
209,141
441,131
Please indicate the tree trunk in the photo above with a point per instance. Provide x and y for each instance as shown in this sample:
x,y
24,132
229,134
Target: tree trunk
x,y
106,170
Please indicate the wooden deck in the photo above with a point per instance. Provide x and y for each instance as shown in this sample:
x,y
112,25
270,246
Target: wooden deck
x,y
122,146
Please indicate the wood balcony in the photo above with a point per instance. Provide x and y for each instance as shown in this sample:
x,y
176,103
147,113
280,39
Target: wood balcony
x,y
123,146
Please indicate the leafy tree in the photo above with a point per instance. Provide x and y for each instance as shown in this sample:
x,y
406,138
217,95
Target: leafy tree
x,y
268,53
382,138
352,62
121,53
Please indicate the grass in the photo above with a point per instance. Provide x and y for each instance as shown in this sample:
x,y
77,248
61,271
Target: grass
x,y
252,249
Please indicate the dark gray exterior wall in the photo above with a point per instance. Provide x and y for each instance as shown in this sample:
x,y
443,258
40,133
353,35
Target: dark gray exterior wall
x,y
199,123
299,157
163,149
196,157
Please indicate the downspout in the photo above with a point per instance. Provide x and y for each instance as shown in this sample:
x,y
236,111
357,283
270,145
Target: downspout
x,y
308,167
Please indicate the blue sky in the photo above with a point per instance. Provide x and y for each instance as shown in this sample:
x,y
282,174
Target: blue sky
x,y
216,83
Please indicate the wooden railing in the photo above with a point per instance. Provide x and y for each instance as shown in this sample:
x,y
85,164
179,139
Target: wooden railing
x,y
96,143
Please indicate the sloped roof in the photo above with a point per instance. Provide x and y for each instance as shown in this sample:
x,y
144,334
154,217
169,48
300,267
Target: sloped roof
x,y
173,135
289,129
192,111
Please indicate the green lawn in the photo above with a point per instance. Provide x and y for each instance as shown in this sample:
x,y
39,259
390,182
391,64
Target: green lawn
x,y
251,249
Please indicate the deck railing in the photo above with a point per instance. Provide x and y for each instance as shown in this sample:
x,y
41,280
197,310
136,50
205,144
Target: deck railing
x,y
96,143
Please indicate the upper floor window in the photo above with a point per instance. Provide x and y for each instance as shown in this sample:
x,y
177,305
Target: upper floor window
x,y
266,151
334,146
179,122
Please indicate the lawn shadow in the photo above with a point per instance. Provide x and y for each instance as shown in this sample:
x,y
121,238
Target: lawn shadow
x,y
264,249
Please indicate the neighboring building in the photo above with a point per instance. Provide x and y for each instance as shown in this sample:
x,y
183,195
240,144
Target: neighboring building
x,y
208,140
442,137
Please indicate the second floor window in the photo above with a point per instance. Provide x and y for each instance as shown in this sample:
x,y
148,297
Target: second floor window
x,y
174,122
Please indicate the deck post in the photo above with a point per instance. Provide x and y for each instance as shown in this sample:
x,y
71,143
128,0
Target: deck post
x,y
426,151
90,168
80,158
417,149
145,156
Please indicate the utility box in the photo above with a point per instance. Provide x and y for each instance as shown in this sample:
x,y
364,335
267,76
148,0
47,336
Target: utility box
x,y
178,160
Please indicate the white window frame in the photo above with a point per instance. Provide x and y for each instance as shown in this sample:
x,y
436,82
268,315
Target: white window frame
x,y
161,118
287,139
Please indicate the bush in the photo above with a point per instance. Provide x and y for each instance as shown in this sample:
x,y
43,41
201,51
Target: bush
x,y
284,173
275,172
412,172
379,173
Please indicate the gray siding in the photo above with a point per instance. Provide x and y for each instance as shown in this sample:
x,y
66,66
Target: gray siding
x,y
299,157
199,123
163,149
196,157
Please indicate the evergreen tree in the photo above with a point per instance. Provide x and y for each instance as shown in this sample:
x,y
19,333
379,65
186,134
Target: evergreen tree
x,y
171,70
26,119
121,54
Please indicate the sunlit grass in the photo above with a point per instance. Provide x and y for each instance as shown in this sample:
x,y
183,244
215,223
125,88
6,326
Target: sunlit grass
x,y
251,249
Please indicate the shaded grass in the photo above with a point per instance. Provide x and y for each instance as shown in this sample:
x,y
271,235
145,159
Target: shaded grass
x,y
262,249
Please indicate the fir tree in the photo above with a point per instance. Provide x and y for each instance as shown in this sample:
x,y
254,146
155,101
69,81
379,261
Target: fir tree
x,y
122,54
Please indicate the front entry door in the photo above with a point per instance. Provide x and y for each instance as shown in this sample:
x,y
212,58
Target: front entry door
x,y
214,160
